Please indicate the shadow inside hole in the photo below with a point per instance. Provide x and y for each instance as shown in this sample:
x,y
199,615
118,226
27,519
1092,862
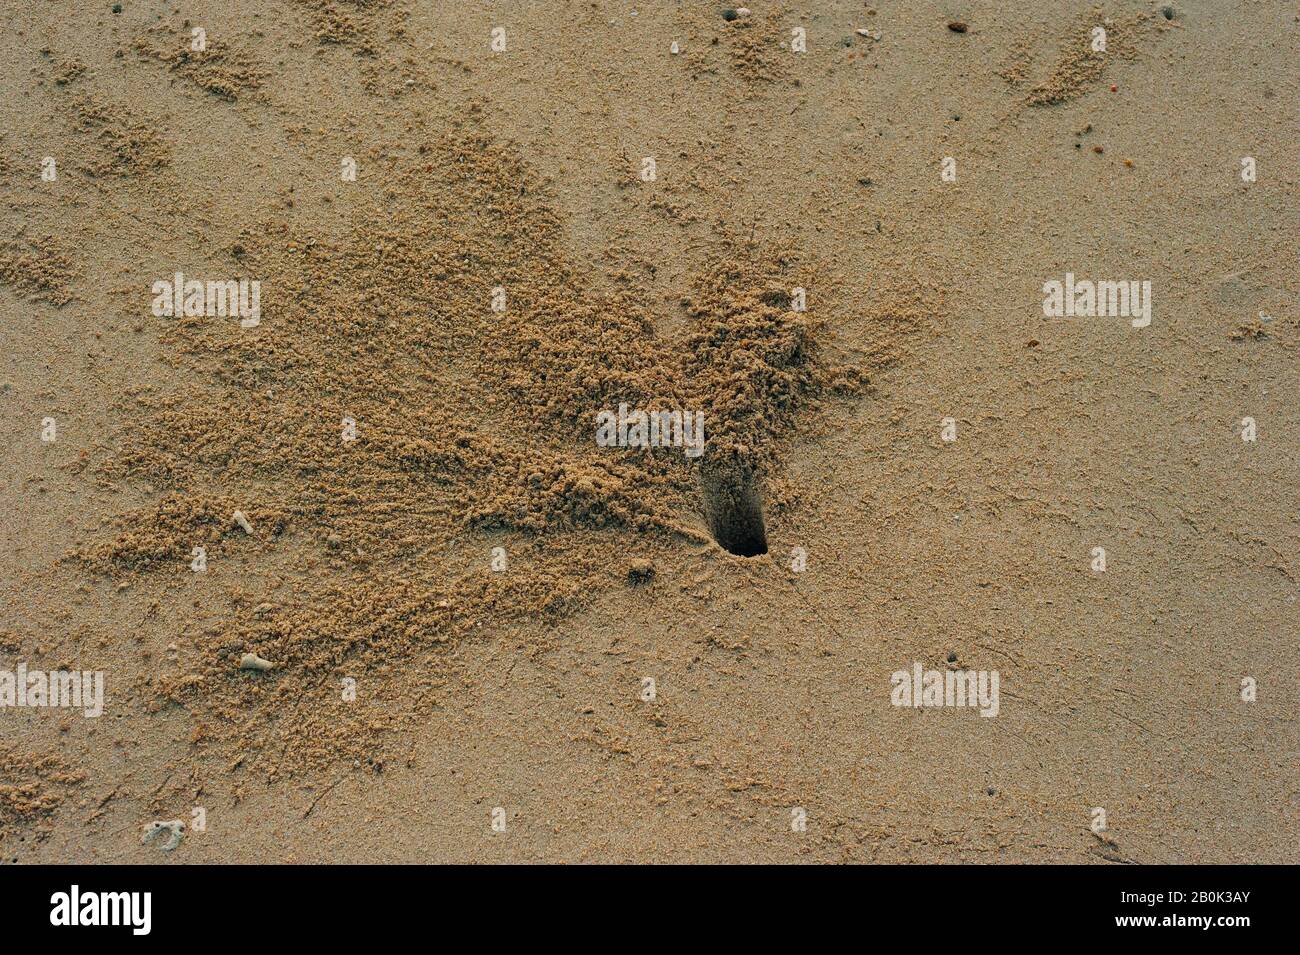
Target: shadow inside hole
x,y
734,510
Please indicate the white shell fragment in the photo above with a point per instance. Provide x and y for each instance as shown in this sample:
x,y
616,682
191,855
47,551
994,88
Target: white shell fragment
x,y
242,520
251,661
174,828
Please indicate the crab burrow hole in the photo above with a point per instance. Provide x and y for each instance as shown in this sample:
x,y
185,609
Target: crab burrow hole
x,y
733,507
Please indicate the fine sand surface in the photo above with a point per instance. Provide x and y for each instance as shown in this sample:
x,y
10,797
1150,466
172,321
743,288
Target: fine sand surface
x,y
479,618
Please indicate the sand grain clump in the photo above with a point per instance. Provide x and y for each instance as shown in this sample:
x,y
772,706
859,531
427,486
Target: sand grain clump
x,y
39,266
221,68
1079,66
32,788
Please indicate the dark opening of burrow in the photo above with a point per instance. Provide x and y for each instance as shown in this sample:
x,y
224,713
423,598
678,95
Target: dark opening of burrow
x,y
734,510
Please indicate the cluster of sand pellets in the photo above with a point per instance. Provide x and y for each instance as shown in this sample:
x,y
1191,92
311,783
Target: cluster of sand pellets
x,y
471,425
